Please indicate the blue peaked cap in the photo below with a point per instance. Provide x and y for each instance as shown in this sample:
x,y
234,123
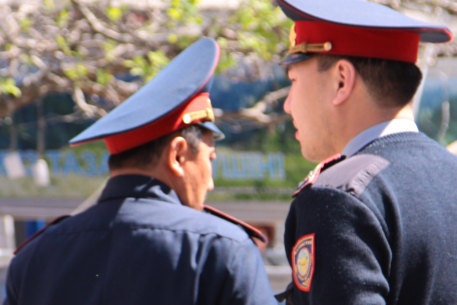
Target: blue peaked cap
x,y
362,13
355,14
158,108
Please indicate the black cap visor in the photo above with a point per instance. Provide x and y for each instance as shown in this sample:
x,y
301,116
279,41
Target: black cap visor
x,y
218,134
294,58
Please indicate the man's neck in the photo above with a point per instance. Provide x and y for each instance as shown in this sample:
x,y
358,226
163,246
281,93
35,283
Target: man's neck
x,y
130,171
372,117
378,131
159,172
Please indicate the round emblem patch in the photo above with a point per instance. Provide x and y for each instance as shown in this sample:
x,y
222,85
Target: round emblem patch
x,y
303,262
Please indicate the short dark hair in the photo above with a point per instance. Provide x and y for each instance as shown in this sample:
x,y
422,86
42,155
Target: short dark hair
x,y
390,82
148,154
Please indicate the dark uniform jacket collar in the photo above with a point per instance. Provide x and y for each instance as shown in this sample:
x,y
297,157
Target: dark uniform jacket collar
x,y
378,131
138,186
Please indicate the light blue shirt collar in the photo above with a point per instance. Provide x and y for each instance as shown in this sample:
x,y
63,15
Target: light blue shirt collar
x,y
378,131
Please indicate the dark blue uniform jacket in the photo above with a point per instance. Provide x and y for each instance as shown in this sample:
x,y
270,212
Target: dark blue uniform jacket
x,y
139,245
384,223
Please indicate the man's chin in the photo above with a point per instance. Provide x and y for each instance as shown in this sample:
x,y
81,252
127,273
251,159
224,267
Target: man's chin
x,y
309,156
316,156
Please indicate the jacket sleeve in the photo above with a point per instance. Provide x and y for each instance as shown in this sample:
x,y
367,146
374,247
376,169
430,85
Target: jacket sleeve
x,y
346,244
247,282
11,286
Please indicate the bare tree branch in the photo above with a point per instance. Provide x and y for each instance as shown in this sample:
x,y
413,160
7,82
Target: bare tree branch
x,y
90,110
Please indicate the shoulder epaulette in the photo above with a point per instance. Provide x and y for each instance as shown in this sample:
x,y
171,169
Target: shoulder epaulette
x,y
250,230
314,174
41,231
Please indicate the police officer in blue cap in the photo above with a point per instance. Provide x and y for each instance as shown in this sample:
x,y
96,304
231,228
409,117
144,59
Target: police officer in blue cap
x,y
376,221
149,239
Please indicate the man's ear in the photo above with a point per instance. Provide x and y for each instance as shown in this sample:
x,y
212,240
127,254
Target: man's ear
x,y
345,75
176,155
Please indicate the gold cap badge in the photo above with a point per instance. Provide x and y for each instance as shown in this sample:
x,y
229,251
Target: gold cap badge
x,y
305,47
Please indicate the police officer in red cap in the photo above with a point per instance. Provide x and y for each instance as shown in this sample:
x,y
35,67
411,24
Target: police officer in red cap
x,y
376,222
150,239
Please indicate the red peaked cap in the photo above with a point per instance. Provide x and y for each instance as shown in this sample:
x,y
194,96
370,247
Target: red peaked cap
x,y
361,42
176,98
167,124
356,28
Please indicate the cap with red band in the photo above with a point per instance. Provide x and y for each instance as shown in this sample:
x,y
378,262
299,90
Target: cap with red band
x,y
197,110
355,28
176,98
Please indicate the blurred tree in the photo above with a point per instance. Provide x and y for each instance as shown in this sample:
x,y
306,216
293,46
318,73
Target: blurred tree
x,y
93,48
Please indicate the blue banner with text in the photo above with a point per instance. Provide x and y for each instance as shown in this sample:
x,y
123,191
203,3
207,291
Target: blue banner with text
x,y
230,166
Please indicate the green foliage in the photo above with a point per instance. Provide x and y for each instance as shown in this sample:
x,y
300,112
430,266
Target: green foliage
x,y
147,67
138,65
157,61
8,86
103,77
114,13
25,24
26,59
63,45
183,11
184,41
62,17
76,72
109,46
226,61
263,27
173,38
49,4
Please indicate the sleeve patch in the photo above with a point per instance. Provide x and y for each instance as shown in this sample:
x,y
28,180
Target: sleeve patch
x,y
303,260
